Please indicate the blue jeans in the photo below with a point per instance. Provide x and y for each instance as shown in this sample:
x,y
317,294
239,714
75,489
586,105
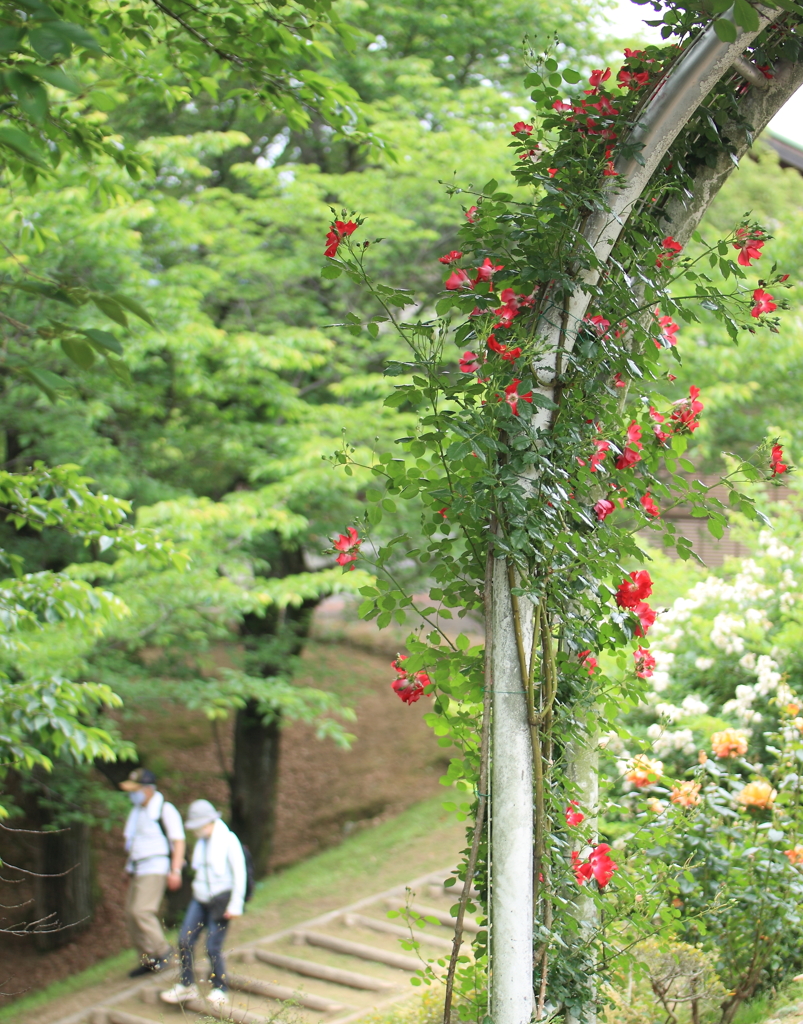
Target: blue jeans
x,y
195,920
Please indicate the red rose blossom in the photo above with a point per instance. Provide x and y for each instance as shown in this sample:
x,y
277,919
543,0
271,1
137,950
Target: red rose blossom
x,y
645,663
409,688
335,235
458,279
469,363
599,866
649,505
764,302
348,544
646,617
749,243
450,257
486,270
574,817
512,396
668,331
685,412
634,589
603,508
598,77
776,460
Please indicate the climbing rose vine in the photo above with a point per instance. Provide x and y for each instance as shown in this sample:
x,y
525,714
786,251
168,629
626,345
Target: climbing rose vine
x,y
551,444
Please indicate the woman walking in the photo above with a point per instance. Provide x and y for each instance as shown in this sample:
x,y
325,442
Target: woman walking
x,y
218,891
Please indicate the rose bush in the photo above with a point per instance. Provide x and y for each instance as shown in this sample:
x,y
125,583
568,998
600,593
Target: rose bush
x,y
708,774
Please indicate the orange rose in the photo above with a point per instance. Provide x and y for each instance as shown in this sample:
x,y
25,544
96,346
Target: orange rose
x,y
757,794
644,771
796,855
792,709
729,743
687,794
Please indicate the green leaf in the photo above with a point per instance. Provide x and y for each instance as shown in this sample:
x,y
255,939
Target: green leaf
x,y
49,42
53,76
331,271
210,85
62,35
112,308
716,528
490,186
80,353
746,15
133,307
103,341
31,95
725,30
49,383
104,101
10,38
40,288
119,369
571,76
22,145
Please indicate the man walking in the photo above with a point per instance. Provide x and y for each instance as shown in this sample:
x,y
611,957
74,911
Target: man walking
x,y
218,890
154,841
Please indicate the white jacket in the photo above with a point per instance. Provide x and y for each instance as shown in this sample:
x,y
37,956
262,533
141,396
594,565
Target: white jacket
x,y
219,866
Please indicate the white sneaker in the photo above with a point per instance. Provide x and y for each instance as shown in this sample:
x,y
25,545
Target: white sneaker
x,y
217,997
179,994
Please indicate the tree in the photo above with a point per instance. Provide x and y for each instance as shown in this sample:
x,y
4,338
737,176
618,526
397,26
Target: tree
x,y
229,290
53,111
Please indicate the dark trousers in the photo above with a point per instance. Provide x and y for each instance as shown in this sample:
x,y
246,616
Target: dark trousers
x,y
195,920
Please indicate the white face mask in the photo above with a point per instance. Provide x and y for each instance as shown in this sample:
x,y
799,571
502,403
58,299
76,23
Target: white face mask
x,y
137,797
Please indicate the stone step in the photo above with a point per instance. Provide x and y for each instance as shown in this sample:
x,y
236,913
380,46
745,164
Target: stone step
x,y
441,916
358,949
112,1016
243,983
227,1012
312,970
375,924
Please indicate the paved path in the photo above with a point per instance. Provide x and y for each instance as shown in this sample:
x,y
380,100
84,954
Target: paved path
x,y
334,968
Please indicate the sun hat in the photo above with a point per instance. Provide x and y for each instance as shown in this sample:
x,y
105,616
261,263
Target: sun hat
x,y
200,813
139,777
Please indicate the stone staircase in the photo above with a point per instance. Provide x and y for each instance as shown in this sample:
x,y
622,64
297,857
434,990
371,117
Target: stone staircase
x,y
333,969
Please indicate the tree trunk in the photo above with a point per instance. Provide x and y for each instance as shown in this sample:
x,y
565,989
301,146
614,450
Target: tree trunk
x,y
272,641
254,782
63,886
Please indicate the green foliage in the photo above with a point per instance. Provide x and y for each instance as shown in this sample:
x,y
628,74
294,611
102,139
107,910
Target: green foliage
x,y
44,715
751,388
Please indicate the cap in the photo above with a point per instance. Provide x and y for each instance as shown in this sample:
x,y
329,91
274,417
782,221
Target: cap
x,y
139,777
200,813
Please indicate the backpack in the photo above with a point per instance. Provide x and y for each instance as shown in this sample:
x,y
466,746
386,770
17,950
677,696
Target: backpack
x,y
250,875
